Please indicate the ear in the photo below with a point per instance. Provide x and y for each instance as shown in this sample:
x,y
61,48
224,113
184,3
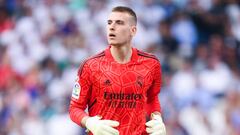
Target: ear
x,y
133,30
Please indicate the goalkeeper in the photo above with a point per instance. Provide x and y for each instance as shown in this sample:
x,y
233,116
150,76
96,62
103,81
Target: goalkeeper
x,y
119,86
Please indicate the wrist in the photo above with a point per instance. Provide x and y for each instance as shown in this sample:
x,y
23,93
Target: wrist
x,y
153,114
84,120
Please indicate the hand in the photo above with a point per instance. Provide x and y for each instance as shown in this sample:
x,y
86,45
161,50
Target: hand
x,y
156,126
101,127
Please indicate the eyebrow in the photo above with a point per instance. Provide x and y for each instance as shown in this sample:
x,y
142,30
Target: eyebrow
x,y
115,21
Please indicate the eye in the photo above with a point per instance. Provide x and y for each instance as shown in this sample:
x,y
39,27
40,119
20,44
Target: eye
x,y
109,22
120,22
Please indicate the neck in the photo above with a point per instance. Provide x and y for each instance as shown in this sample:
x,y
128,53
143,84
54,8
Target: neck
x,y
121,54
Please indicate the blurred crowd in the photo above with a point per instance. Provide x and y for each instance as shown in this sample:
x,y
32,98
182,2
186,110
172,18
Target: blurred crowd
x,y
42,43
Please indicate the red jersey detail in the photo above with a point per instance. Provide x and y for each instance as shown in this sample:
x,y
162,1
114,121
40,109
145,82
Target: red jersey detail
x,y
146,55
123,92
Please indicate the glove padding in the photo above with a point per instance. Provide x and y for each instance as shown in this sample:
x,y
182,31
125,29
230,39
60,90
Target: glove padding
x,y
156,126
101,127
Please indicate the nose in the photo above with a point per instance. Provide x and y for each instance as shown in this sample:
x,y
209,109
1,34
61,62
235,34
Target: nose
x,y
112,27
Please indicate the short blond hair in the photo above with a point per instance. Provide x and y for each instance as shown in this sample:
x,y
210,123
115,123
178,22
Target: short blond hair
x,y
126,10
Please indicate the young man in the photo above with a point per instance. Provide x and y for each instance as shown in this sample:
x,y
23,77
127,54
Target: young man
x,y
120,85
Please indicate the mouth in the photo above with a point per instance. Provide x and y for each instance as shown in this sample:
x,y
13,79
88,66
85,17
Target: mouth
x,y
112,35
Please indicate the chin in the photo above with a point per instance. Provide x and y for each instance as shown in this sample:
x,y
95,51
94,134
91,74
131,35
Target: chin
x,y
116,43
113,43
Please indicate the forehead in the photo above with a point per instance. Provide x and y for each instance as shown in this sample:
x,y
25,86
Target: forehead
x,y
119,16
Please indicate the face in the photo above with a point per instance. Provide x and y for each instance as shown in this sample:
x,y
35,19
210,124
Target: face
x,y
120,28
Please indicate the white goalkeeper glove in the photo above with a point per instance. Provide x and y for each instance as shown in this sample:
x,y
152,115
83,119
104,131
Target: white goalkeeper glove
x,y
101,127
156,126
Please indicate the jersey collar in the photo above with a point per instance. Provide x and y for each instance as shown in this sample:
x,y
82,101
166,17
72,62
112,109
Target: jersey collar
x,y
133,57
